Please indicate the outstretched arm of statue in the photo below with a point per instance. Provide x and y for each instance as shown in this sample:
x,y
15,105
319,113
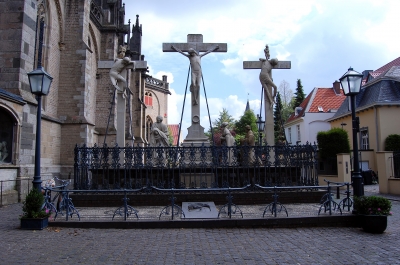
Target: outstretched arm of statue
x,y
178,50
210,50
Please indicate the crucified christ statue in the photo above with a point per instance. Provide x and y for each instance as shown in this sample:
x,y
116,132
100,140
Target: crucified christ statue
x,y
195,64
120,63
265,76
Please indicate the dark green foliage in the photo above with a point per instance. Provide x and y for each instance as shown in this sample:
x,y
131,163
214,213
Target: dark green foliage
x,y
248,118
300,96
278,120
392,142
32,206
372,205
224,116
333,142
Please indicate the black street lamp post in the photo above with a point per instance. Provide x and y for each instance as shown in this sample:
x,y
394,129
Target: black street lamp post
x,y
260,126
39,81
351,84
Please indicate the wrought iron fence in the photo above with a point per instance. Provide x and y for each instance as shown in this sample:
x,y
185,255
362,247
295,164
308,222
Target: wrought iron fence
x,y
194,167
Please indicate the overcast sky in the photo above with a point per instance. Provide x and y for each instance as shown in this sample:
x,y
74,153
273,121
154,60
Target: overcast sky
x,y
321,38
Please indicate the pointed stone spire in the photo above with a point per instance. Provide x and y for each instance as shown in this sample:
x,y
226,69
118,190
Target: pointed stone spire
x,y
135,44
248,104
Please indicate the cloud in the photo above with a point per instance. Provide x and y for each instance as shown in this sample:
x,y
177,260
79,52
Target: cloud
x,y
320,38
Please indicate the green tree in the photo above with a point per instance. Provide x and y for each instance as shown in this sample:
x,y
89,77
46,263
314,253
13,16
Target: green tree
x,y
248,118
300,96
278,120
224,116
287,100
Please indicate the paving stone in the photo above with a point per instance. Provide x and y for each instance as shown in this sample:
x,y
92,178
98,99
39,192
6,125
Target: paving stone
x,y
318,245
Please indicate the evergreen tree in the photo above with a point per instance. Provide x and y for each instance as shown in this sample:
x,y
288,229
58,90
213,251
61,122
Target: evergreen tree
x,y
300,96
278,121
248,118
224,116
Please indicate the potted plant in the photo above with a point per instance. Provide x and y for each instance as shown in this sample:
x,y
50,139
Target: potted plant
x,y
34,216
373,212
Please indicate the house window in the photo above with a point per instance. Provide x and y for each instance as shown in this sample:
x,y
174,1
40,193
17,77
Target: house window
x,y
148,99
7,129
364,141
298,133
289,130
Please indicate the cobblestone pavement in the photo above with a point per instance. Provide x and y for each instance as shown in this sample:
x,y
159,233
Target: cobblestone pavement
x,y
198,246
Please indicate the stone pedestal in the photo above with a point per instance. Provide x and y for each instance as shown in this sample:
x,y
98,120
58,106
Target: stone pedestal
x,y
196,136
121,116
269,128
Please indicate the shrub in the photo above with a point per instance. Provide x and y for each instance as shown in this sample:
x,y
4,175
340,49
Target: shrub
x,y
333,142
32,206
372,205
392,142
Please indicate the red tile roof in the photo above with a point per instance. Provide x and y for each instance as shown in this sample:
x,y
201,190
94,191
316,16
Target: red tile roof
x,y
327,99
174,128
324,97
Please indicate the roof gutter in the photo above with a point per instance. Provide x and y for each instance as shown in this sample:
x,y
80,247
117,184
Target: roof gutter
x,y
374,105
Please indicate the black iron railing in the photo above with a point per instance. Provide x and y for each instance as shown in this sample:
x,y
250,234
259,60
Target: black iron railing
x,y
194,167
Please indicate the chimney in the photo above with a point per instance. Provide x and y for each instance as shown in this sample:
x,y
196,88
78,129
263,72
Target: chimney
x,y
336,87
164,78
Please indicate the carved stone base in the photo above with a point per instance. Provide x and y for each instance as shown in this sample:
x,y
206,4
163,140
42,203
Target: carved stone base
x,y
196,136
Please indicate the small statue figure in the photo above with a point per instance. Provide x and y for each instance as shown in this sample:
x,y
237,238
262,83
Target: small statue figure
x,y
249,139
120,63
159,134
265,76
249,142
226,136
228,140
3,151
195,64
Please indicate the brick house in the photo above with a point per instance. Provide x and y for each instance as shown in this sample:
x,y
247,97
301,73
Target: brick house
x,y
79,36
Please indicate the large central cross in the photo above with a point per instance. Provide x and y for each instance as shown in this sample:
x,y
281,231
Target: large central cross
x,y
195,42
266,66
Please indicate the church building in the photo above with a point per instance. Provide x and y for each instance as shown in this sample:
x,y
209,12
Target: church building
x,y
76,45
